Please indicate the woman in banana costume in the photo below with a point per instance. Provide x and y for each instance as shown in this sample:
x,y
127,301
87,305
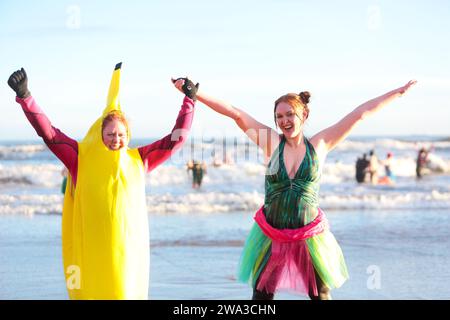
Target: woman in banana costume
x,y
105,236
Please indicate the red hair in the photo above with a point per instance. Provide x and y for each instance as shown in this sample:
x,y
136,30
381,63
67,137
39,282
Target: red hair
x,y
115,115
299,102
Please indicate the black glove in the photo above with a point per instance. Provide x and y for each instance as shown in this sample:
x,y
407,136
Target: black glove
x,y
189,89
18,81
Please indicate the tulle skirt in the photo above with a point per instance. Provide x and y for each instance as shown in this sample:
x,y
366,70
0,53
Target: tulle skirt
x,y
290,259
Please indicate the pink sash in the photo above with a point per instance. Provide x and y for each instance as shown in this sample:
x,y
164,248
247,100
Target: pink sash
x,y
289,266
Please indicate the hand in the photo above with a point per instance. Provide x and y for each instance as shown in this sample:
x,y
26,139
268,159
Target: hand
x,y
18,81
187,87
402,90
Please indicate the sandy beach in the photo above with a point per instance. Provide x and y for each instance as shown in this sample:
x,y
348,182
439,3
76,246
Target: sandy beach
x,y
394,238
390,255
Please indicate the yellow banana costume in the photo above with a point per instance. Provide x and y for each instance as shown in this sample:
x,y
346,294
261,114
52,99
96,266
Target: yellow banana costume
x,y
105,234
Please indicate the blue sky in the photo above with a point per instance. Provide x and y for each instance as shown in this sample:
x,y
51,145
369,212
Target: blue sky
x,y
245,52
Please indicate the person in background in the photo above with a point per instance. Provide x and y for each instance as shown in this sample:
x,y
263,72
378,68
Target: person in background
x,y
64,173
422,158
389,177
362,169
388,166
198,170
373,167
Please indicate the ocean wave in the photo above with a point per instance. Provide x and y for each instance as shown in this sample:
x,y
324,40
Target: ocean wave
x,y
242,177
210,202
385,200
20,152
44,175
30,205
364,198
197,243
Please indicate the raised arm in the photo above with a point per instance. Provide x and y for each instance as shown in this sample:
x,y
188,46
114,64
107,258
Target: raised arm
x,y
329,138
159,151
265,137
65,148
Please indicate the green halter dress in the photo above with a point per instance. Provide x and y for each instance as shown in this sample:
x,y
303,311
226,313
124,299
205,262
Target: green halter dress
x,y
292,204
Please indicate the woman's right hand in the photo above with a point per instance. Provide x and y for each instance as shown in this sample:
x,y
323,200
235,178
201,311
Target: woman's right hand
x,y
187,87
18,81
178,83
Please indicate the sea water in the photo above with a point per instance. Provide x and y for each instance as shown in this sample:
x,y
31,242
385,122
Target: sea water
x,y
30,178
390,254
394,238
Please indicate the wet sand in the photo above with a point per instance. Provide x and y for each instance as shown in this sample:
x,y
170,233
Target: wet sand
x,y
390,255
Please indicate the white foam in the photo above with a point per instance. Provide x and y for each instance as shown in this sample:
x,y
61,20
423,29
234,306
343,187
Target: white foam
x,y
30,204
30,148
210,202
412,200
45,175
239,187
219,202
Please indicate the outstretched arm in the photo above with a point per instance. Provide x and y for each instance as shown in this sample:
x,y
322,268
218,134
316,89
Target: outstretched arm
x,y
329,138
159,151
265,137
65,148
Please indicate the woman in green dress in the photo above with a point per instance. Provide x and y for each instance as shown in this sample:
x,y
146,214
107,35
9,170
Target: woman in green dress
x,y
290,246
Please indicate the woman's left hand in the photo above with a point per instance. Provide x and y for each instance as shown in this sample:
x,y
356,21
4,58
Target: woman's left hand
x,y
402,90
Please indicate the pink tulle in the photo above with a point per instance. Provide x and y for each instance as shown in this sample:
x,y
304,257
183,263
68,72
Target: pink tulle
x,y
289,266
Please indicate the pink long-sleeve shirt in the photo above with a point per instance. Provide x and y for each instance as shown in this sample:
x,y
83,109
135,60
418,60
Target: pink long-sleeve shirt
x,y
66,148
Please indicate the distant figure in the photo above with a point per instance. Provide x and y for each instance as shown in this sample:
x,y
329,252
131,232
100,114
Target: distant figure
x,y
422,159
64,173
228,159
217,162
387,165
362,169
373,167
389,177
198,170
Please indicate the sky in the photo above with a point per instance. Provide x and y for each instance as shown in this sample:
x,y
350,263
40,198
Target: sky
x,y
245,52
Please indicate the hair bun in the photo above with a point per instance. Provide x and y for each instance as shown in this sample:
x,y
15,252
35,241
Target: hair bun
x,y
304,96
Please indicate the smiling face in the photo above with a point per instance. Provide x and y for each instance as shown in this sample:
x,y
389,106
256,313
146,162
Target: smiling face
x,y
290,122
115,135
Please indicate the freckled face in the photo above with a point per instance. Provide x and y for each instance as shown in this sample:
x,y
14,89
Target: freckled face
x,y
115,135
288,121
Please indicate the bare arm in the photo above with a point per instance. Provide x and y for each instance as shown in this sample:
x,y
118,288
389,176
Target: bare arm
x,y
329,138
265,137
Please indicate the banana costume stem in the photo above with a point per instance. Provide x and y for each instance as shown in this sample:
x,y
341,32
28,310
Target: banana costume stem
x,y
105,225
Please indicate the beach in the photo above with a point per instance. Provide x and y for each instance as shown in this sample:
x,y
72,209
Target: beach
x,y
394,238
194,263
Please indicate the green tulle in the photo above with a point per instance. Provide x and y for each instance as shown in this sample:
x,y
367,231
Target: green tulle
x,y
325,252
254,256
328,259
293,203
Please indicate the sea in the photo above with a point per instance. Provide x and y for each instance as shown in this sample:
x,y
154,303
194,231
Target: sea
x,y
395,237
